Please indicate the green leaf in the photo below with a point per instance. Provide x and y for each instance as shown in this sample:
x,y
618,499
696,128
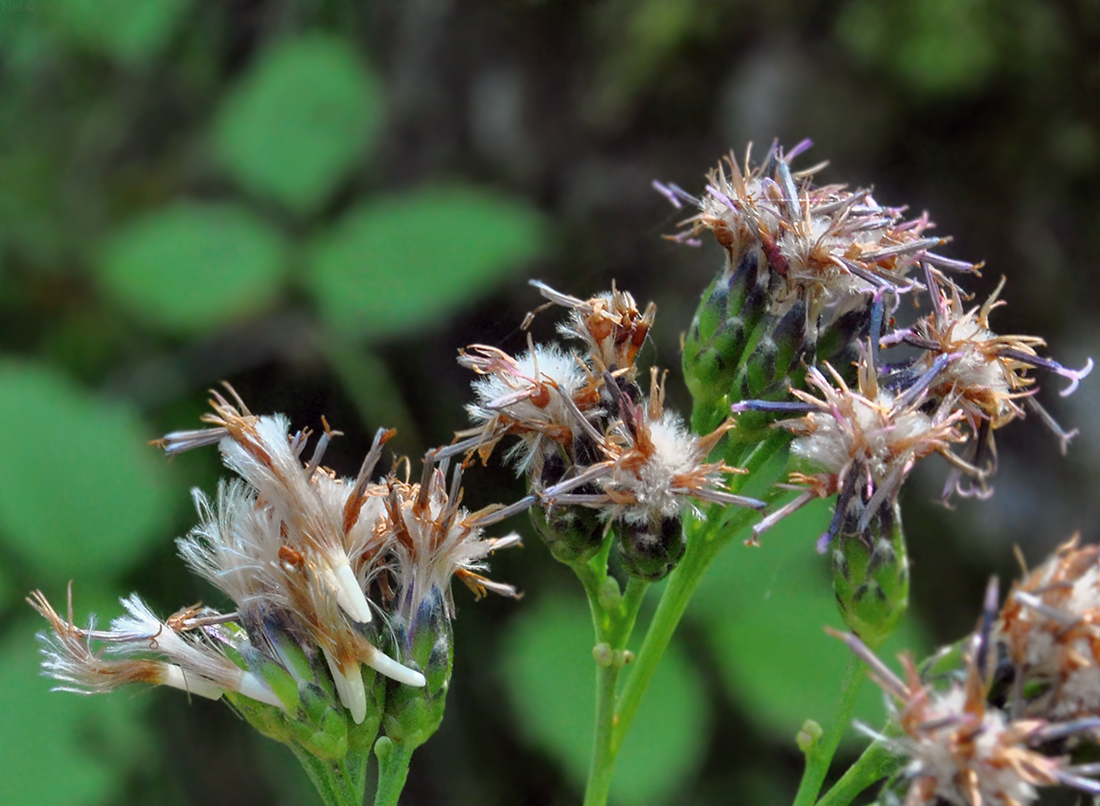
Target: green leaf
x,y
300,119
81,494
130,31
60,748
764,611
193,267
550,679
397,262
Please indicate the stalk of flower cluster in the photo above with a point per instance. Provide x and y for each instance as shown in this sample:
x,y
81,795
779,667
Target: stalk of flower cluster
x,y
790,336
612,475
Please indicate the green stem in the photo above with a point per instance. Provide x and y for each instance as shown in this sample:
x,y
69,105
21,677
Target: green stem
x,y
603,754
703,546
340,783
633,597
614,715
820,756
393,768
613,622
681,586
877,762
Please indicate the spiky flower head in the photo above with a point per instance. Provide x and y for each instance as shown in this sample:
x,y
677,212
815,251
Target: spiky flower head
x,y
825,246
859,444
318,568
959,748
599,455
802,312
1048,627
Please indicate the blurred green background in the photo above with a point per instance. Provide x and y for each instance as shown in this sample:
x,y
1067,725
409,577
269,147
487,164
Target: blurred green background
x,y
321,202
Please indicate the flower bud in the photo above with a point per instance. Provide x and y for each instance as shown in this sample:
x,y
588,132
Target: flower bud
x,y
413,714
651,549
728,313
871,577
573,533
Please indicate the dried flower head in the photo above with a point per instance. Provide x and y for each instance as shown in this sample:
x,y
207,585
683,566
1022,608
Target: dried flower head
x,y
825,246
598,456
546,397
140,648
960,749
988,377
297,549
652,468
1050,627
433,539
609,325
862,443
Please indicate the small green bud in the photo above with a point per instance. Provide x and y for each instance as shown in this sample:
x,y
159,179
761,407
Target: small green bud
x,y
650,551
603,655
808,736
871,578
729,312
383,748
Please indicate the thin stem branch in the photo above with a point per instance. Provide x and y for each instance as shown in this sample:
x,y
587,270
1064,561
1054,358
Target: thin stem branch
x,y
393,768
612,622
681,586
340,783
703,546
633,597
603,753
876,763
614,714
820,755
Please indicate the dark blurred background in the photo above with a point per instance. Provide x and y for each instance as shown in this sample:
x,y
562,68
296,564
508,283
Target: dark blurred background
x,y
322,202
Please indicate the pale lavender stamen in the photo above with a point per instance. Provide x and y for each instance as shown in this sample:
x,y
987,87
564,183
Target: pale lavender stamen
x,y
675,194
801,148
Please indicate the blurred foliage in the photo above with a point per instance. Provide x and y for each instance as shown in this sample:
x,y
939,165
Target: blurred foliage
x,y
425,252
191,268
297,122
75,481
321,202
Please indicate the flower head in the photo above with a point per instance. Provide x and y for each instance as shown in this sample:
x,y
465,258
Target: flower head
x,y
1049,627
960,749
312,562
826,246
860,444
609,325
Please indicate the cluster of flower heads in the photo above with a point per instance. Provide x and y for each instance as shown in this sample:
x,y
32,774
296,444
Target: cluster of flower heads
x,y
841,263
1024,711
338,573
599,455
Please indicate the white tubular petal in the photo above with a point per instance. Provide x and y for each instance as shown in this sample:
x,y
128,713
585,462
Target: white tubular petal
x,y
256,689
176,677
384,664
353,694
348,593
